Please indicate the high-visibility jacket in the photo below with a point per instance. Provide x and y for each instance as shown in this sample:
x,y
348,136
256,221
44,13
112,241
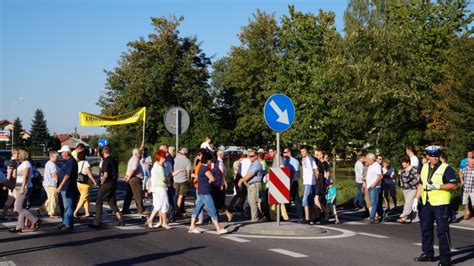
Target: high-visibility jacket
x,y
434,197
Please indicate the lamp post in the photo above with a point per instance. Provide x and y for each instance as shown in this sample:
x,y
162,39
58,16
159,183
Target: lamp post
x,y
13,117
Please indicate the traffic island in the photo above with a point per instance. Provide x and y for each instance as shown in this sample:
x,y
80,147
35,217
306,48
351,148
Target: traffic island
x,y
272,229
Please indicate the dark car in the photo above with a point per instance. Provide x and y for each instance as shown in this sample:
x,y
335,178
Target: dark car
x,y
232,155
5,155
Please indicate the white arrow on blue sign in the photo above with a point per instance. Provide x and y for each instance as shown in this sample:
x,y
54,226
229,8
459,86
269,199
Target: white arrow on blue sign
x,y
279,112
103,143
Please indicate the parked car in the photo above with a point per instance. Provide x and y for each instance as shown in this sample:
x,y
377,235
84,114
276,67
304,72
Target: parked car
x,y
232,155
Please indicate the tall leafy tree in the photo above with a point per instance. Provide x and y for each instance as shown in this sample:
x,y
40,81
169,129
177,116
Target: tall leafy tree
x,y
39,130
246,78
159,72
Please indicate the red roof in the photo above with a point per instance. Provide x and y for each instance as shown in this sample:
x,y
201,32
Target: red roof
x,y
5,121
63,137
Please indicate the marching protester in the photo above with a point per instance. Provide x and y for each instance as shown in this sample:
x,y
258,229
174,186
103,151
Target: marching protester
x,y
275,157
310,174
373,179
107,189
263,205
220,185
467,182
436,183
85,180
146,163
331,195
253,181
358,170
182,165
294,165
389,184
50,182
243,165
169,166
204,201
24,174
10,183
67,178
158,189
134,177
414,161
409,180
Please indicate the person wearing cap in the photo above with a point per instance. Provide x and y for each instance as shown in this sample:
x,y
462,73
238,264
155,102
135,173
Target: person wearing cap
x,y
436,183
67,178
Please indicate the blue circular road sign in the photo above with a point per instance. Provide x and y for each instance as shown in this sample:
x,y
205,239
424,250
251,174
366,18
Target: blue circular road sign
x,y
279,112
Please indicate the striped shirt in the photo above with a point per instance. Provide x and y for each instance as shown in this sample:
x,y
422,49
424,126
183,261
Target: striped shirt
x,y
468,176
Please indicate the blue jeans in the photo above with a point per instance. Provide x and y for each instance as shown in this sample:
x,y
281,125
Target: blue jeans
x,y
308,195
68,208
359,198
374,200
205,201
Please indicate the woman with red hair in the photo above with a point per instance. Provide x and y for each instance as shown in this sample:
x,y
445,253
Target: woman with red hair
x,y
159,189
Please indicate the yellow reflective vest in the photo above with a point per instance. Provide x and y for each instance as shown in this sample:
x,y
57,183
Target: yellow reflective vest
x,y
434,197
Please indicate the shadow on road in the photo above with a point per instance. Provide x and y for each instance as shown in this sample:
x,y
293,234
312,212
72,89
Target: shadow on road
x,y
71,244
149,257
467,251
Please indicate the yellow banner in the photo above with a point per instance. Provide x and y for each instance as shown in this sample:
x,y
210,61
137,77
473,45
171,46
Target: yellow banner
x,y
90,120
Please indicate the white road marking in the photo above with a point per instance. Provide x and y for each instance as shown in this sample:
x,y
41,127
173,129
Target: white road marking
x,y
345,233
288,253
236,239
372,235
7,263
354,223
130,227
461,227
434,246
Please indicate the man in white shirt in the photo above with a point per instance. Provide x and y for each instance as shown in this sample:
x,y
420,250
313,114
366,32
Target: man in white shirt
x,y
411,152
359,169
373,179
309,172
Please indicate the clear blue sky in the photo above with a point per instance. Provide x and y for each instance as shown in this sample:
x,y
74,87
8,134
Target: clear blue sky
x,y
53,52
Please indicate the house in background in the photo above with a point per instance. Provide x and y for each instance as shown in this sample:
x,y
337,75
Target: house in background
x,y
5,124
68,140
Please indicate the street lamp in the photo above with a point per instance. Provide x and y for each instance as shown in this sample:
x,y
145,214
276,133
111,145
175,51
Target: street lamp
x,y
13,116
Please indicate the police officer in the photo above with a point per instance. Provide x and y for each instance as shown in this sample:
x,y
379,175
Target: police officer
x,y
436,183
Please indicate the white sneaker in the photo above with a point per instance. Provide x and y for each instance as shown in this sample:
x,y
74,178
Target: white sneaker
x,y
157,225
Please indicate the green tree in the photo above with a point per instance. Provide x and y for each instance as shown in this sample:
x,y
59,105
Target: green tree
x,y
246,78
39,130
18,141
160,72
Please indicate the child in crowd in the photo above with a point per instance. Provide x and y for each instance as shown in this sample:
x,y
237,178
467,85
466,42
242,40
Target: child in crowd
x,y
331,200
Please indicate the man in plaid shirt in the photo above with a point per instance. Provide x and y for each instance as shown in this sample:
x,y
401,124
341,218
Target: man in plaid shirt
x,y
467,181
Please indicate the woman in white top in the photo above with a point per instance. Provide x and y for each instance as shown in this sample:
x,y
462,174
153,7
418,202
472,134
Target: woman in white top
x,y
159,189
85,180
24,173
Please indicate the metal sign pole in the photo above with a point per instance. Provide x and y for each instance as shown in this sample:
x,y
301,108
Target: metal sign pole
x,y
177,128
278,165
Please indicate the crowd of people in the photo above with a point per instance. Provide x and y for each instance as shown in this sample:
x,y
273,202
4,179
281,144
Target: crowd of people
x,y
168,176
377,182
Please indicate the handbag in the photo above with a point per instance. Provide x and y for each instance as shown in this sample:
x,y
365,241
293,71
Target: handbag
x,y
82,178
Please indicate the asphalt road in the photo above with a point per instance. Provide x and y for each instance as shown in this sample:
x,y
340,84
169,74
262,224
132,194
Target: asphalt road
x,y
358,244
